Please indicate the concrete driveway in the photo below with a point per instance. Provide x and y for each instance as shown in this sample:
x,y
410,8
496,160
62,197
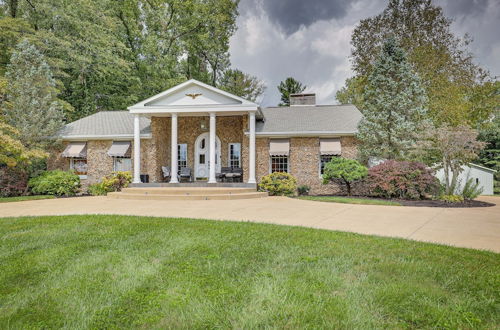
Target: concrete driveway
x,y
477,228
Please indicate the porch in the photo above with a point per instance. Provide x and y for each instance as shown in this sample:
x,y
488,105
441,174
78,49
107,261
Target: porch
x,y
199,133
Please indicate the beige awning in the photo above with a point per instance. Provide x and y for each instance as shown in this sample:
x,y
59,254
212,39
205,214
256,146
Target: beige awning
x,y
330,146
279,147
75,150
119,149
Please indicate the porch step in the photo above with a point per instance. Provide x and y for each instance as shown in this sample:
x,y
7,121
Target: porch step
x,y
188,193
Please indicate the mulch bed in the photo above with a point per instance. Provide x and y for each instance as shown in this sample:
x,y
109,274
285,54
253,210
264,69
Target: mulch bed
x,y
427,202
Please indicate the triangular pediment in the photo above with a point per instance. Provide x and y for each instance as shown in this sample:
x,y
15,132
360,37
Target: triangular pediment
x,y
192,93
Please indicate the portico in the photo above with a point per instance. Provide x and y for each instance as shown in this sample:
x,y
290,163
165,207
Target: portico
x,y
181,113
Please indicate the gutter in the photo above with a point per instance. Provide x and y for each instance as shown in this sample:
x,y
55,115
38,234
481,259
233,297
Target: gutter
x,y
303,134
103,137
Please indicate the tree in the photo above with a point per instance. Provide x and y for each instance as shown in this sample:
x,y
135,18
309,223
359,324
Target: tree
x,y
32,106
346,170
241,84
287,87
490,155
12,152
394,110
442,60
450,148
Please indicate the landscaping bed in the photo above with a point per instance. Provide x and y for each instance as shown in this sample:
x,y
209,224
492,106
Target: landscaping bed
x,y
395,202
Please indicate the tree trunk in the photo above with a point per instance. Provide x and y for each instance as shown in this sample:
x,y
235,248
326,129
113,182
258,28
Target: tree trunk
x,y
348,185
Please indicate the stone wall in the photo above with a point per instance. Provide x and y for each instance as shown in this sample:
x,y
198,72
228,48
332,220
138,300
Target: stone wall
x,y
229,129
304,162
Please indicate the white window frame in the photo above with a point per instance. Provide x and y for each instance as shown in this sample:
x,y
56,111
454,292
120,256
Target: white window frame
x,y
319,167
229,154
281,156
72,166
179,147
114,163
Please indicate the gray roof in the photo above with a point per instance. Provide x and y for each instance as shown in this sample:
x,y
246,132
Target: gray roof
x,y
105,123
319,118
329,119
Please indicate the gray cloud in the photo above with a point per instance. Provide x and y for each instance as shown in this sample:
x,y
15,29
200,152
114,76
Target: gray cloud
x,y
310,40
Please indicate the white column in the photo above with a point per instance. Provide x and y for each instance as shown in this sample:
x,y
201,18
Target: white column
x,y
173,147
251,151
137,150
212,167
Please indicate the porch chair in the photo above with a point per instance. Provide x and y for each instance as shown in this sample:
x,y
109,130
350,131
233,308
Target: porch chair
x,y
223,172
236,174
185,174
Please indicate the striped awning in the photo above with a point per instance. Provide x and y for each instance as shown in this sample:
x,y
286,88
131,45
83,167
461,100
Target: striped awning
x,y
119,149
330,146
75,150
279,147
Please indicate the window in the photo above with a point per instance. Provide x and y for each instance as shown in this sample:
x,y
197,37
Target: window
x,y
122,164
235,155
323,160
181,156
79,165
279,164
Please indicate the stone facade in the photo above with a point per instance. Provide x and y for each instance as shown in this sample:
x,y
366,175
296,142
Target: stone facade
x,y
304,162
304,158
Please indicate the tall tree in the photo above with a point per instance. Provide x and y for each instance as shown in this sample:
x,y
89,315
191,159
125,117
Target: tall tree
x,y
442,60
287,87
241,84
31,105
490,156
394,106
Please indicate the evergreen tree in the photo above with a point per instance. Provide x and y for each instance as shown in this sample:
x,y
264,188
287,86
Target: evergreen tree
x,y
31,105
490,156
394,106
241,84
287,87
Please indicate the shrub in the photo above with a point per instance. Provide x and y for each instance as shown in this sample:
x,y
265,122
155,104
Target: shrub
x,y
471,189
59,183
278,184
345,170
303,190
13,181
113,182
451,198
401,179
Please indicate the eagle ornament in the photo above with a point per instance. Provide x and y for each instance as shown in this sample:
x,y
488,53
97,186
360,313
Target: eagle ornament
x,y
193,95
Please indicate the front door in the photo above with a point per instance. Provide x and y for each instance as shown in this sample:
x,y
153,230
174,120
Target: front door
x,y
202,156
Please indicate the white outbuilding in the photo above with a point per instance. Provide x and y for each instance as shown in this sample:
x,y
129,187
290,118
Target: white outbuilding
x,y
478,173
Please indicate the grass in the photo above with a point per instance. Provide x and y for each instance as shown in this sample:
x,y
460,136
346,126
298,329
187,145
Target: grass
x,y
348,200
24,198
94,271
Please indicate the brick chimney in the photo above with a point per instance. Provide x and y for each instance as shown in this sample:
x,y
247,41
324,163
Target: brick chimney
x,y
303,99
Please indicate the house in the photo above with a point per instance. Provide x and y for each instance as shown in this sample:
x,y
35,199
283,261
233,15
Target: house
x,y
194,125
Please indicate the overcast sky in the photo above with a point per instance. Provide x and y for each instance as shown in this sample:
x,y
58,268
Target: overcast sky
x,y
310,40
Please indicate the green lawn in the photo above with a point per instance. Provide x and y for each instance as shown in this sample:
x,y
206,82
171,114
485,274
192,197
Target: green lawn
x,y
141,272
348,200
24,198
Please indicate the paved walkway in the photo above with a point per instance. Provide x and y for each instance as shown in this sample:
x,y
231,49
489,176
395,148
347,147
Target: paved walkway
x,y
477,228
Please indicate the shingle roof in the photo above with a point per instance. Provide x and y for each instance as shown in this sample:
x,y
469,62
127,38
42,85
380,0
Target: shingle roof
x,y
340,119
105,123
320,118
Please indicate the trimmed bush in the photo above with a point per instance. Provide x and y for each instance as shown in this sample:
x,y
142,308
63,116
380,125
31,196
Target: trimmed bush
x,y
303,190
345,170
58,183
401,179
116,181
279,184
13,181
451,198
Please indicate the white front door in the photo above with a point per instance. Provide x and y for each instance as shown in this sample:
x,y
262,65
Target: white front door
x,y
202,155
